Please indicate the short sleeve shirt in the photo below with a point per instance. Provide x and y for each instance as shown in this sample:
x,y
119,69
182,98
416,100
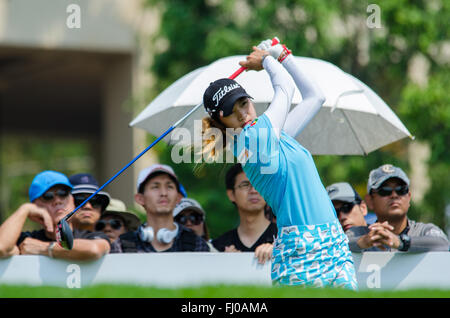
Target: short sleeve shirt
x,y
232,238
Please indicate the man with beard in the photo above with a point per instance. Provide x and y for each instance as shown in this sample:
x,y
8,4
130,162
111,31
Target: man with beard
x,y
255,232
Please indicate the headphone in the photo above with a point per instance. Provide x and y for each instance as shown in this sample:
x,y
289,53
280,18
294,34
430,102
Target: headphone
x,y
147,234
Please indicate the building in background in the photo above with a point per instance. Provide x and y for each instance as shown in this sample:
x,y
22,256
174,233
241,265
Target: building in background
x,y
73,71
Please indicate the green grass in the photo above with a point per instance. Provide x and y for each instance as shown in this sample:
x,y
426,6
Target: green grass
x,y
221,291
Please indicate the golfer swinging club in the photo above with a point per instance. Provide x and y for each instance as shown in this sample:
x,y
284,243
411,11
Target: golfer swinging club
x,y
311,248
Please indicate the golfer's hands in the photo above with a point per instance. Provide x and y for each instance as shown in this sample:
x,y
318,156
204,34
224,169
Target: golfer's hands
x,y
254,60
278,51
33,246
265,45
39,215
264,252
275,50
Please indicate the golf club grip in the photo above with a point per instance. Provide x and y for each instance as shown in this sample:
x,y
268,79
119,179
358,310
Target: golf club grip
x,y
120,172
237,73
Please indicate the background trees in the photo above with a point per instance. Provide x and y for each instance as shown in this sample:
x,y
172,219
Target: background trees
x,y
405,61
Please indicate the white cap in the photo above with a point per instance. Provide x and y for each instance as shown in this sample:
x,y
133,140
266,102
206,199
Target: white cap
x,y
343,191
188,203
116,205
145,173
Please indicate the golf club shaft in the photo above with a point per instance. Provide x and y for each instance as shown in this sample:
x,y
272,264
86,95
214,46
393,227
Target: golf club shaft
x,y
68,216
233,76
121,170
237,73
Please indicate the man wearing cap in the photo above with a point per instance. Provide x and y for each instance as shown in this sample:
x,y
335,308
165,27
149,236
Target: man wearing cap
x,y
389,197
351,211
115,221
190,214
84,185
158,193
255,232
50,201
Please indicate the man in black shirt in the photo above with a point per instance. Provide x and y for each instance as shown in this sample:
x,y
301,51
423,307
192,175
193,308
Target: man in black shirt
x,y
158,193
50,201
255,232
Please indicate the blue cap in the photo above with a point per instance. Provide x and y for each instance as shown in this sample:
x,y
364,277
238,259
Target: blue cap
x,y
44,181
183,191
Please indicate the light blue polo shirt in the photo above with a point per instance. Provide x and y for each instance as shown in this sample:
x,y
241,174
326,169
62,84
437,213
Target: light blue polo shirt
x,y
284,173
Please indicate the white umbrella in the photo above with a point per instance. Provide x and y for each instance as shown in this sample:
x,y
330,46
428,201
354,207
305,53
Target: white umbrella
x,y
353,120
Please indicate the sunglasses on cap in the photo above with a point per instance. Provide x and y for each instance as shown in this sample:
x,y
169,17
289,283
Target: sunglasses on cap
x,y
386,191
194,218
97,201
50,195
115,224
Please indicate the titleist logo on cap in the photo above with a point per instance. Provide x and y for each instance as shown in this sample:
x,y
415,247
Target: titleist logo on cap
x,y
223,91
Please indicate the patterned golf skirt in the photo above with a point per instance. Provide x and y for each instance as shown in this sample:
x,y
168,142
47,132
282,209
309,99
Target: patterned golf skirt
x,y
313,255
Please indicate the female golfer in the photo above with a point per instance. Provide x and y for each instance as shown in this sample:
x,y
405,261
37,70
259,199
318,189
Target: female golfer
x,y
311,248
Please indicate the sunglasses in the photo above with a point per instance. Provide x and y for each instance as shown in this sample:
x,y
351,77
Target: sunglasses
x,y
50,195
97,201
386,191
345,208
195,219
115,224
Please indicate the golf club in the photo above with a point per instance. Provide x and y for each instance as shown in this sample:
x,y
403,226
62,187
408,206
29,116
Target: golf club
x,y
64,235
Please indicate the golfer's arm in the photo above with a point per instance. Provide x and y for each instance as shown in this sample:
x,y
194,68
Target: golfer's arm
x,y
284,91
312,99
83,250
10,231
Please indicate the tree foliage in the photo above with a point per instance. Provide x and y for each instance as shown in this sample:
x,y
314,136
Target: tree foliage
x,y
201,31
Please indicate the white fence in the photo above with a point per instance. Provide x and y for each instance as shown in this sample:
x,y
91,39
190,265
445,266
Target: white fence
x,y
380,270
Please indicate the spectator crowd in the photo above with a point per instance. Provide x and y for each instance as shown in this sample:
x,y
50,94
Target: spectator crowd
x,y
175,222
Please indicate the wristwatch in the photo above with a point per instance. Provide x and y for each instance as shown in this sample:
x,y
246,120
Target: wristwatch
x,y
405,242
